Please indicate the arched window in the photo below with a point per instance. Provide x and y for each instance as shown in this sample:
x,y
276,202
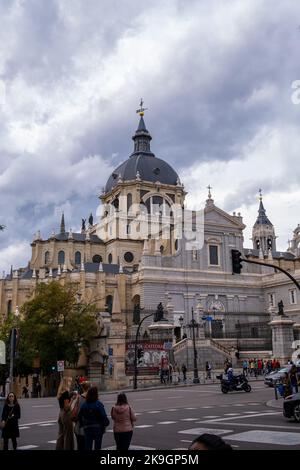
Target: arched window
x,y
77,257
9,303
61,257
109,304
47,257
129,201
97,259
110,258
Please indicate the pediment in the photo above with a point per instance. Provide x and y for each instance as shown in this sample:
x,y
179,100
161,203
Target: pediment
x,y
215,216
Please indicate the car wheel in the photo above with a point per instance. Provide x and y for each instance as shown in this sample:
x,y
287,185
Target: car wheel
x,y
224,389
297,413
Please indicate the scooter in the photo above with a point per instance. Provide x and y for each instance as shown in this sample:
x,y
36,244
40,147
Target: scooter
x,y
237,384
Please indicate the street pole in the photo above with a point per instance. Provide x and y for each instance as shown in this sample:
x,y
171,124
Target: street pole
x,y
275,267
135,351
196,377
11,359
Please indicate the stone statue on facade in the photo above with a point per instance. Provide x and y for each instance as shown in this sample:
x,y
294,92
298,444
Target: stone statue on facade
x,y
280,308
159,314
83,224
91,219
136,314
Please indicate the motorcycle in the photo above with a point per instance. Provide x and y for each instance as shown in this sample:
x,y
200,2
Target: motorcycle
x,y
237,384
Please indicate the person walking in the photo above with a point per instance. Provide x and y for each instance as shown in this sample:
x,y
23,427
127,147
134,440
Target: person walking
x,y
39,389
294,379
184,370
10,421
208,370
65,438
78,429
25,393
92,417
124,418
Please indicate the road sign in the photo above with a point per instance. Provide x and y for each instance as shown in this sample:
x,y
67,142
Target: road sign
x,y
168,345
2,353
209,318
60,366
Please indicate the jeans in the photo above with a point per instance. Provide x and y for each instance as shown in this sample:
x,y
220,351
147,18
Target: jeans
x,y
123,439
91,434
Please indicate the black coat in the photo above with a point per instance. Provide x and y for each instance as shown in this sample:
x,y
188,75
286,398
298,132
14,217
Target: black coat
x,y
11,416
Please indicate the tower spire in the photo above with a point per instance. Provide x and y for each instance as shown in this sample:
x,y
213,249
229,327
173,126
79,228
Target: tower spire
x,y
142,136
263,233
62,224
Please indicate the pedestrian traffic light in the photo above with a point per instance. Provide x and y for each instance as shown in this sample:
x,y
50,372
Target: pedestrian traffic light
x,y
236,261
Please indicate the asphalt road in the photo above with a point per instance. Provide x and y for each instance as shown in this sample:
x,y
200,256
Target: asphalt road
x,y
171,418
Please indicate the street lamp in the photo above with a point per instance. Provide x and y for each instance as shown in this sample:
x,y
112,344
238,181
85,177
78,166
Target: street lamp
x,y
193,324
135,350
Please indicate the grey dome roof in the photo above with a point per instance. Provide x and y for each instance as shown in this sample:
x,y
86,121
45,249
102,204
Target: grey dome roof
x,y
143,161
149,167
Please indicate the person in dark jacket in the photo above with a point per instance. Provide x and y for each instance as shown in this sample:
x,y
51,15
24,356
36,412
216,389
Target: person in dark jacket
x,y
10,416
92,417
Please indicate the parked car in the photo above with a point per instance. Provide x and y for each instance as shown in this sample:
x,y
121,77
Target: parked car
x,y
276,375
291,407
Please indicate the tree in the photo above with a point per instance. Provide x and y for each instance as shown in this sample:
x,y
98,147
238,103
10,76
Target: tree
x,y
55,326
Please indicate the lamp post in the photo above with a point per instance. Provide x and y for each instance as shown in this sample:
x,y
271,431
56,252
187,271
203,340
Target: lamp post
x,y
135,350
13,341
193,324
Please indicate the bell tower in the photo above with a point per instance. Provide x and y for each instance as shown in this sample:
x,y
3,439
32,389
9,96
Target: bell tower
x,y
263,232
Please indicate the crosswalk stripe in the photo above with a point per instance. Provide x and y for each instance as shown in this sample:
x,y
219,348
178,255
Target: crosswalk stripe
x,y
27,447
167,422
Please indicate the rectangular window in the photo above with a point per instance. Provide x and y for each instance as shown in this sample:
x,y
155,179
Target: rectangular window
x,y
293,298
213,255
271,300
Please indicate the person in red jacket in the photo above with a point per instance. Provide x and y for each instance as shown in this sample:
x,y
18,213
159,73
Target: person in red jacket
x,y
123,417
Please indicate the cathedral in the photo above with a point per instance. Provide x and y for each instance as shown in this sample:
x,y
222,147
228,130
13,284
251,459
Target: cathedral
x,y
146,248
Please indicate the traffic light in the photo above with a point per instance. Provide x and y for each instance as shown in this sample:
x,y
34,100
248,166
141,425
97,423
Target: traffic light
x,y
236,261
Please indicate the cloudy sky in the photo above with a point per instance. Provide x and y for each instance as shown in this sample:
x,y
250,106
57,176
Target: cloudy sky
x,y
216,76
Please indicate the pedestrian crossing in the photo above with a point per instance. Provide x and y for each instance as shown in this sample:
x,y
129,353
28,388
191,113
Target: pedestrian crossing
x,y
227,424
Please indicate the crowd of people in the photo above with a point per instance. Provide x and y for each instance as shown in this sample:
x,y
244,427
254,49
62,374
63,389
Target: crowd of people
x,y
255,367
83,416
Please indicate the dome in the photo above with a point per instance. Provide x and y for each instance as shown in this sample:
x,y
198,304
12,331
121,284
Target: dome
x,y
142,162
150,169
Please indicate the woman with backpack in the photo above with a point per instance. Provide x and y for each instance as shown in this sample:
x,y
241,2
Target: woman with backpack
x,y
124,418
93,419
10,416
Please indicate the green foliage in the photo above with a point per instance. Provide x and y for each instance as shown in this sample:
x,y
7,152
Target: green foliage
x,y
54,326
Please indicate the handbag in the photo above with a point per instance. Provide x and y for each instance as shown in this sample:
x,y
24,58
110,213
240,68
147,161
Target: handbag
x,y
2,424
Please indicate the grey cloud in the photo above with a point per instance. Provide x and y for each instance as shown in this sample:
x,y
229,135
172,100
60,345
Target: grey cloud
x,y
205,100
